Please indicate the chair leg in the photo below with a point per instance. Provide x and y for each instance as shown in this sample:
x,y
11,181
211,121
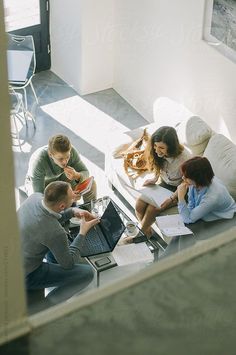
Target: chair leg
x,y
17,131
32,87
32,118
23,110
26,103
26,113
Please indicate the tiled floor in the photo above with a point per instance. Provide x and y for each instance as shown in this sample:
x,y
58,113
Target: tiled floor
x,y
87,121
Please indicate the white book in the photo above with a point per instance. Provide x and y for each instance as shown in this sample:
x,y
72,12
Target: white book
x,y
153,194
132,253
172,225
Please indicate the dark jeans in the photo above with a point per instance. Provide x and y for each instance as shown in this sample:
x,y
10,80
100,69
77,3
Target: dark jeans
x,y
52,274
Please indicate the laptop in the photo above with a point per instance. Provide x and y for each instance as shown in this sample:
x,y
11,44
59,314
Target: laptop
x,y
103,237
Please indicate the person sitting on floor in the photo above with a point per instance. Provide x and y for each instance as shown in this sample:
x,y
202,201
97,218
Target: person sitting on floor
x,y
57,161
208,198
40,221
165,155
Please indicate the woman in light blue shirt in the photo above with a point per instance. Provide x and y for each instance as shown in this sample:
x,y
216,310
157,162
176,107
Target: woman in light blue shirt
x,y
208,198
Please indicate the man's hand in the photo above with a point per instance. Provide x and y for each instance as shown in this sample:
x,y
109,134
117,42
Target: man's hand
x,y
87,215
79,213
182,190
71,173
85,226
77,196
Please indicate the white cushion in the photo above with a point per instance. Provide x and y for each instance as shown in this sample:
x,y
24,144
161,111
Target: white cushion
x,y
221,153
194,133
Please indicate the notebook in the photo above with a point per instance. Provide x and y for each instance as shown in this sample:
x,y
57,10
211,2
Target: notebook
x,y
103,237
84,186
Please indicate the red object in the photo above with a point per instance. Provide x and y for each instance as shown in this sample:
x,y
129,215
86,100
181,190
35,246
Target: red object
x,y
84,186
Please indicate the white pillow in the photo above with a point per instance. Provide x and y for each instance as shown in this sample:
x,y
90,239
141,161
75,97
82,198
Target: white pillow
x,y
221,153
195,134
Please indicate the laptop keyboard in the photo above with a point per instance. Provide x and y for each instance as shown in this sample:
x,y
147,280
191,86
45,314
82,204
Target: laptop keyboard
x,y
94,243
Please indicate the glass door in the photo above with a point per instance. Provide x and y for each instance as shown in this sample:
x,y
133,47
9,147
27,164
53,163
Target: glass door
x,y
31,17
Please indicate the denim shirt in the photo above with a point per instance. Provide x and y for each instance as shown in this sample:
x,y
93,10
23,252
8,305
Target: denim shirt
x,y
209,203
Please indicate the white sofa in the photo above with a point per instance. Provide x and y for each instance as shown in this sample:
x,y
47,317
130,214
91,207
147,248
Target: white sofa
x,y
196,135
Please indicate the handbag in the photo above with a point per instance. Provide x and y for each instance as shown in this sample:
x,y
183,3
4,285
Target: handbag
x,y
135,162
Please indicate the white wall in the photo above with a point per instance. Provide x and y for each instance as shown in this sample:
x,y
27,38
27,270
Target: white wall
x,y
159,52
65,32
13,319
144,49
82,43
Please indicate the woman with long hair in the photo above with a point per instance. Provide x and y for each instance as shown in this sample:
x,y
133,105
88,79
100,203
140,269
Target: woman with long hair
x,y
165,155
208,198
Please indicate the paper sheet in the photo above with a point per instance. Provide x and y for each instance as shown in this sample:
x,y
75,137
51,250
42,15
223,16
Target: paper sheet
x,y
132,253
172,225
154,195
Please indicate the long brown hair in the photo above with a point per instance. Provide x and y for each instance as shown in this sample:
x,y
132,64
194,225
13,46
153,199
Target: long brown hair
x,y
168,136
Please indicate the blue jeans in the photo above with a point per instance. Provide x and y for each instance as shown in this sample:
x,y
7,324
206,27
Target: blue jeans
x,y
50,274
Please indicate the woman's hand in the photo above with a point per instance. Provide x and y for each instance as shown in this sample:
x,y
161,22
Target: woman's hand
x,y
182,190
150,181
85,226
167,203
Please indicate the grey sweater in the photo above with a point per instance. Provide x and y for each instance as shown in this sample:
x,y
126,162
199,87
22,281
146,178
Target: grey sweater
x,y
42,231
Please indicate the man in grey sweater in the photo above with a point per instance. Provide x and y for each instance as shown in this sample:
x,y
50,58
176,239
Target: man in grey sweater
x,y
57,161
40,221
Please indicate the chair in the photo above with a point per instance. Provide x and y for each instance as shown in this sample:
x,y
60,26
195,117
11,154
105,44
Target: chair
x,y
18,114
23,43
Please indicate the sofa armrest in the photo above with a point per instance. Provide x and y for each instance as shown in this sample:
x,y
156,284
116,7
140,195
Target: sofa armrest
x,y
221,153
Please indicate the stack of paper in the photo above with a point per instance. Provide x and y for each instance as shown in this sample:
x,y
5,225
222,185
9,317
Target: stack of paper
x,y
172,225
132,253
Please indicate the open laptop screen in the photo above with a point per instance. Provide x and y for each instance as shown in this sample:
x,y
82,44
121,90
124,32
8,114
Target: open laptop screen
x,y
112,225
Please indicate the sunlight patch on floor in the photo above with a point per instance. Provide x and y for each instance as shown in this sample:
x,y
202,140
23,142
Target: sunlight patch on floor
x,y
99,175
85,120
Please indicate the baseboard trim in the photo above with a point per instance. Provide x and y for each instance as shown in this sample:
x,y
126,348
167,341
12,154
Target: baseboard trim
x,y
12,330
